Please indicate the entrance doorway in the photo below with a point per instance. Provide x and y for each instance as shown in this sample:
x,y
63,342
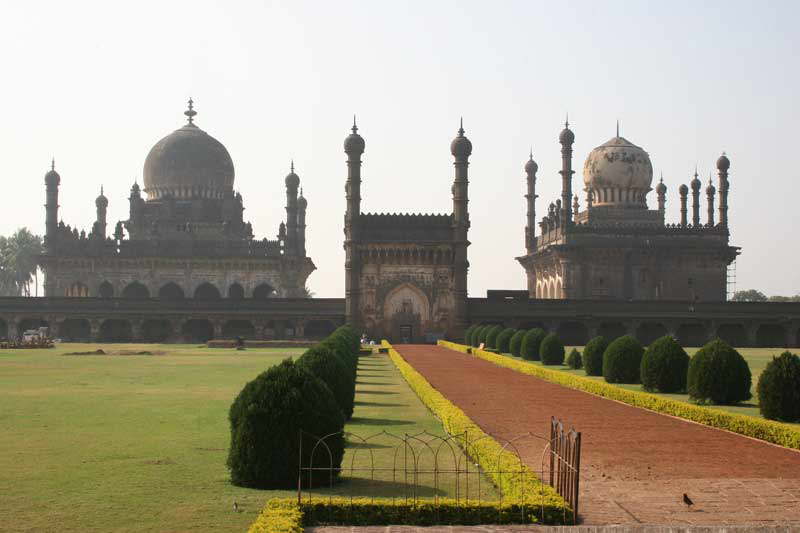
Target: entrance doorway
x,y
406,334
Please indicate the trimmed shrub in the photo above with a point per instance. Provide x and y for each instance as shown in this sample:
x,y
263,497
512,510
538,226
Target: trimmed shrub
x,y
491,337
574,360
468,335
516,342
504,340
622,360
664,366
342,348
551,350
266,418
779,388
531,342
484,332
476,334
593,356
718,374
333,371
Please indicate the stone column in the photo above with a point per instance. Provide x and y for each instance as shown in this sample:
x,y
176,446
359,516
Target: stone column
x,y
94,329
136,330
750,330
217,328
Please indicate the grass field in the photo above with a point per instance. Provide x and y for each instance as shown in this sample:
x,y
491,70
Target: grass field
x,y
138,442
757,359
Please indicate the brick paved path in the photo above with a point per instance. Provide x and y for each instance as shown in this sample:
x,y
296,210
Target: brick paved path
x,y
635,464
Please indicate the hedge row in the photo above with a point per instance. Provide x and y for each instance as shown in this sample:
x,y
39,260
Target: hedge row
x,y
280,515
766,430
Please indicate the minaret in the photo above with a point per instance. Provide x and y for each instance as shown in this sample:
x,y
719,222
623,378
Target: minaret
x,y
102,207
52,181
696,200
302,204
566,138
723,164
461,149
292,183
683,190
661,192
710,192
353,146
530,230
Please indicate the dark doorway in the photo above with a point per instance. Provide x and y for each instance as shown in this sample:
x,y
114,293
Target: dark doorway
x,y
32,323
238,328
406,333
236,292
612,330
263,291
136,291
692,335
75,330
573,333
733,334
197,330
207,291
116,330
647,332
771,335
170,291
156,330
318,329
3,329
106,290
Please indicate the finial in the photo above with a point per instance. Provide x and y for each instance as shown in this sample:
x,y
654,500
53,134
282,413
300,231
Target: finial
x,y
53,164
662,177
355,128
566,122
190,112
292,166
531,156
617,127
101,190
461,127
301,191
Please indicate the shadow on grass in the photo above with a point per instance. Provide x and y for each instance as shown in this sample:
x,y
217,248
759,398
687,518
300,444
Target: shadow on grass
x,y
376,392
360,486
379,421
372,382
366,446
370,376
380,404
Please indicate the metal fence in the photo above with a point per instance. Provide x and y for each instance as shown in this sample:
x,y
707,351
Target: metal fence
x,y
424,467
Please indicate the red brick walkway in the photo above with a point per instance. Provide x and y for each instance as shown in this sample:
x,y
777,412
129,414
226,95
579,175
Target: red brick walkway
x,y
636,464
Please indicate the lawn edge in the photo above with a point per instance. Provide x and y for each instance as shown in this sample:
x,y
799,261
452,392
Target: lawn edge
x,y
765,430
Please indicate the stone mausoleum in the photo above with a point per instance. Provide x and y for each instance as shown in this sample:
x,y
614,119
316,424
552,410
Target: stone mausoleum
x,y
619,248
186,235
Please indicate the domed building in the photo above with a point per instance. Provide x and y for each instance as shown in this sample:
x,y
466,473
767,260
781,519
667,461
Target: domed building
x,y
185,236
617,247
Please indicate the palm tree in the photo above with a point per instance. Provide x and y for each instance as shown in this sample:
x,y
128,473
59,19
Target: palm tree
x,y
21,259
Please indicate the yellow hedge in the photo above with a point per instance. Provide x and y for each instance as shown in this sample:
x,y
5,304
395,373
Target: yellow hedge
x,y
280,515
767,430
490,455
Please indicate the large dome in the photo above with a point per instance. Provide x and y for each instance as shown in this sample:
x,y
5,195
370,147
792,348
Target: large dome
x,y
618,173
188,163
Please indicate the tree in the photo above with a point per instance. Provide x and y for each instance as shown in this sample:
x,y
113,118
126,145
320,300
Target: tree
x,y
306,292
750,295
778,298
19,262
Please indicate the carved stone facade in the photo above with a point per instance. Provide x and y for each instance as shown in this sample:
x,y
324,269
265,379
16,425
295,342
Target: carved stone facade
x,y
617,248
406,275
186,239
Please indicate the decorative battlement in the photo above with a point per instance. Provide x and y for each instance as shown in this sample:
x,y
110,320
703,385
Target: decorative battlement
x,y
405,227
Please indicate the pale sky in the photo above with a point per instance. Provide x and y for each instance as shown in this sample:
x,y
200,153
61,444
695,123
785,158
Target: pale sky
x,y
96,84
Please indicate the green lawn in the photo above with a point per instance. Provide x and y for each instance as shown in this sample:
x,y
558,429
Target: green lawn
x,y
757,359
138,442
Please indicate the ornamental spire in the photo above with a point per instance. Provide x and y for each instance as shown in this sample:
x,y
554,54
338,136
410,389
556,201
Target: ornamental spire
x,y
461,127
53,164
355,128
190,112
617,128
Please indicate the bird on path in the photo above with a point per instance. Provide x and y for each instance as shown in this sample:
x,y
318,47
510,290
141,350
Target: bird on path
x,y
236,506
687,500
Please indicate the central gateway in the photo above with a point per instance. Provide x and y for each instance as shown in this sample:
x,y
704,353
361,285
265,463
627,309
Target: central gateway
x,y
406,275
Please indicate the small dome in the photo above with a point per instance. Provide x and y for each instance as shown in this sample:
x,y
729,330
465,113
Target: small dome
x,y
683,189
618,173
661,188
695,183
461,147
52,177
302,202
354,143
292,179
711,189
723,163
101,200
531,167
566,136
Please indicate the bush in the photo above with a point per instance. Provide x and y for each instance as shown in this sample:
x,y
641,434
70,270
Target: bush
x,y
266,418
593,356
530,344
622,360
779,388
333,371
718,374
516,342
504,340
342,348
574,360
484,332
491,337
468,335
664,366
551,350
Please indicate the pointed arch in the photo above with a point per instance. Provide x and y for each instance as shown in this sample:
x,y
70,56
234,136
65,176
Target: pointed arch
x,y
263,291
136,291
407,299
236,292
105,290
206,291
170,291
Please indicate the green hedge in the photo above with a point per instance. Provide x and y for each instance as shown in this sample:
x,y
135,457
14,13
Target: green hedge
x,y
574,360
332,370
622,360
491,336
516,342
664,366
718,374
504,340
593,356
779,388
552,350
531,343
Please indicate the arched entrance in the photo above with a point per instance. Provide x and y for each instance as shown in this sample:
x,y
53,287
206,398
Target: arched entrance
x,y
135,291
733,334
236,292
170,291
197,330
238,328
612,330
573,333
116,330
29,323
106,290
207,291
692,335
771,335
75,330
263,291
156,330
406,310
647,332
3,329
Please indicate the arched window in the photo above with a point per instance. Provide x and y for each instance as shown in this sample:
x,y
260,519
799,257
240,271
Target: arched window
x,y
236,292
263,291
106,290
77,290
206,291
170,291
136,291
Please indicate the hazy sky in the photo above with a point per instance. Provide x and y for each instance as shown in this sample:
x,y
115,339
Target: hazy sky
x,y
96,84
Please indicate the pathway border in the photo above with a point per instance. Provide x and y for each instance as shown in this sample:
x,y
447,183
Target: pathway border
x,y
765,430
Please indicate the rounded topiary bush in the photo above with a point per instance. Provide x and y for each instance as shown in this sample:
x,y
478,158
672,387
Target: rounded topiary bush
x,y
622,360
593,356
531,342
468,335
779,388
266,418
574,360
332,370
504,340
718,374
516,342
664,366
342,348
551,351
482,333
491,337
